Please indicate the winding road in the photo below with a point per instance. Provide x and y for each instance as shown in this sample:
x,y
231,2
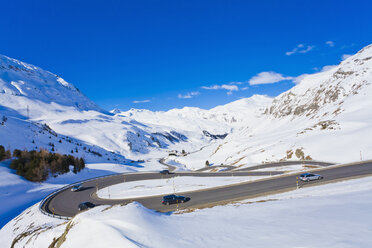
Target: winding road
x,y
65,203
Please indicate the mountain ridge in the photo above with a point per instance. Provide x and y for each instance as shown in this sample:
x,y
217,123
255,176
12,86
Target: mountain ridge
x,y
254,129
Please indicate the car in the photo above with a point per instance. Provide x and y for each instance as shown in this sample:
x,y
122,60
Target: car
x,y
172,199
76,187
164,172
85,205
307,177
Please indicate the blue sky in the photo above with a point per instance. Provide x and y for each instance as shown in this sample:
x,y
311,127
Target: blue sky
x,y
164,54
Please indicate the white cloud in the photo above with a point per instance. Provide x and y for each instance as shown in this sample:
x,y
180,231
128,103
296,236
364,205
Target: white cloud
x,y
245,88
141,101
300,48
229,87
188,95
268,77
330,43
345,56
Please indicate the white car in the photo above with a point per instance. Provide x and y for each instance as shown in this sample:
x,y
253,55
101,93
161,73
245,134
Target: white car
x,y
307,177
76,187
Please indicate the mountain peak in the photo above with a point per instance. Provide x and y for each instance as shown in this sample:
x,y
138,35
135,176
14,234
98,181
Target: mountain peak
x,y
19,79
327,88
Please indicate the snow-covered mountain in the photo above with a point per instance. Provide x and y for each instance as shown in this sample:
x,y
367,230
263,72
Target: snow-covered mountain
x,y
327,116
32,99
21,80
328,93
331,108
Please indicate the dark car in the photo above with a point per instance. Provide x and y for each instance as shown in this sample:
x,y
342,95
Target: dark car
x,y
85,206
165,172
172,199
307,177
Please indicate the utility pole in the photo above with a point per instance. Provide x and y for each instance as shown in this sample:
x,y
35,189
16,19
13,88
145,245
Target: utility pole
x,y
361,156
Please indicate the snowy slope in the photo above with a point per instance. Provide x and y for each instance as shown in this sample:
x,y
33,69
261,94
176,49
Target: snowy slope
x,y
329,93
19,80
29,135
327,116
31,96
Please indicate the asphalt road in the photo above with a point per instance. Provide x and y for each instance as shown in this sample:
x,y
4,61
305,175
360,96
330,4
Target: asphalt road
x,y
66,202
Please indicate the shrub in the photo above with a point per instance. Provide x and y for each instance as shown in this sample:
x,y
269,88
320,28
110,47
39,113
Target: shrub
x,y
3,120
17,153
300,154
37,165
96,153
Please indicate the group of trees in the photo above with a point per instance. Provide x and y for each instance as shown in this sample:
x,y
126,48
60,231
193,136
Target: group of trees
x,y
4,154
36,166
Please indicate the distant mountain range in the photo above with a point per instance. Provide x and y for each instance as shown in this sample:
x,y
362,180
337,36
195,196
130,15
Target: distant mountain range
x,y
327,116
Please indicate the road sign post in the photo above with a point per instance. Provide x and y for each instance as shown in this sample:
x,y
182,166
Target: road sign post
x,y
297,182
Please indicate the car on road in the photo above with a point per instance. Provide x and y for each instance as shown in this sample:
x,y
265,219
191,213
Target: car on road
x,y
164,172
76,187
307,177
85,205
172,199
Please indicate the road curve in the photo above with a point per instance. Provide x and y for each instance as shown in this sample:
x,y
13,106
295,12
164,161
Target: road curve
x,y
65,202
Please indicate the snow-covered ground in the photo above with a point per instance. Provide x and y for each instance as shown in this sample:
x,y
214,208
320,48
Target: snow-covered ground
x,y
17,194
332,215
168,186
